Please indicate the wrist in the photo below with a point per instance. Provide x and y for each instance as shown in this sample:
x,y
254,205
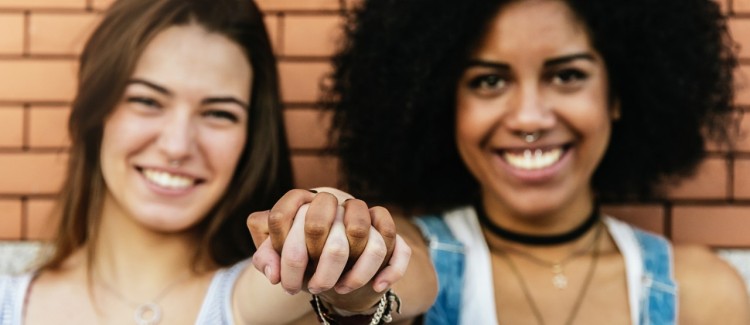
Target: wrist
x,y
380,313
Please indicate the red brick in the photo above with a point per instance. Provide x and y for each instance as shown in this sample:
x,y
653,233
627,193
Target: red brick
x,y
41,220
742,179
307,128
42,4
11,127
48,127
37,80
742,85
718,226
741,6
740,30
12,40
723,5
10,219
709,182
314,171
311,35
31,173
60,33
743,141
300,81
351,4
272,26
102,4
648,217
298,4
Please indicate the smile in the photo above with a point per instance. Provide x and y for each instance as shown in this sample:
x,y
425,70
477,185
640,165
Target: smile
x,y
533,158
168,180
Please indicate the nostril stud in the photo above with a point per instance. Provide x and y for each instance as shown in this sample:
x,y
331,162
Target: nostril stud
x,y
531,137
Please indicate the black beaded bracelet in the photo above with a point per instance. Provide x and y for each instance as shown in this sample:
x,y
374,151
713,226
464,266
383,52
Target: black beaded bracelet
x,y
381,316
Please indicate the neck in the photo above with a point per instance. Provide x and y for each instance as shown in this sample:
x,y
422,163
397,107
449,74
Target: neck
x,y
130,256
535,239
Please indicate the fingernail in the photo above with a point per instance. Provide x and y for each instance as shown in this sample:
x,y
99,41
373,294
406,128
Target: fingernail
x,y
342,290
313,191
289,292
381,286
314,291
267,272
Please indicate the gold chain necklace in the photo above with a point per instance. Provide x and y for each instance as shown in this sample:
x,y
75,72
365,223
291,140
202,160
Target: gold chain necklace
x,y
559,279
579,298
147,313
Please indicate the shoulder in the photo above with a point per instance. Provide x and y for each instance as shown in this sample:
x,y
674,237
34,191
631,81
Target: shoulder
x,y
710,289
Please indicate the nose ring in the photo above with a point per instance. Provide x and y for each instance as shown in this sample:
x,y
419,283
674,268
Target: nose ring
x,y
531,137
174,163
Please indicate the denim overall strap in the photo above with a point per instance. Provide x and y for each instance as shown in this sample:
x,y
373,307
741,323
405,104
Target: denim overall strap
x,y
448,257
659,291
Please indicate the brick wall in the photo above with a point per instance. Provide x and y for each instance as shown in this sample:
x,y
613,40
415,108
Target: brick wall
x,y
42,38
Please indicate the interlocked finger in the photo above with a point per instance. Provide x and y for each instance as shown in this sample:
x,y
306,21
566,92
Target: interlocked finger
x,y
283,213
318,221
366,266
333,258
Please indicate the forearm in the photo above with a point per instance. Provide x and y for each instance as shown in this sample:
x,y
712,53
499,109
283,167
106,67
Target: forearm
x,y
418,288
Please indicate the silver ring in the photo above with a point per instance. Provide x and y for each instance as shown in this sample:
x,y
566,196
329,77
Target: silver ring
x,y
531,137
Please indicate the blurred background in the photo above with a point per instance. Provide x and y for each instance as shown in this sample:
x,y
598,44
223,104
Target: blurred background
x,y
41,41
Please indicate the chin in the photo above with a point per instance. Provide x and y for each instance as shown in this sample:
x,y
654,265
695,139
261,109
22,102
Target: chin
x,y
169,220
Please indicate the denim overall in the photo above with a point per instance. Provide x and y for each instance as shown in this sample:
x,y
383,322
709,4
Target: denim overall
x,y
656,290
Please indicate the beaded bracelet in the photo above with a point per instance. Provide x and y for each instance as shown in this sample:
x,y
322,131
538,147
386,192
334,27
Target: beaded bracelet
x,y
381,316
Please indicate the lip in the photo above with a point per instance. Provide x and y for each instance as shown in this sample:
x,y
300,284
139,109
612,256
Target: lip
x,y
534,176
164,191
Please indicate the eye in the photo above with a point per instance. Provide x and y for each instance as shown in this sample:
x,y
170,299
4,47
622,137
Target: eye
x,y
221,115
144,101
488,84
568,77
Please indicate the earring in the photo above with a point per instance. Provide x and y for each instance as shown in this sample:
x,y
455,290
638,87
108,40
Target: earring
x,y
616,112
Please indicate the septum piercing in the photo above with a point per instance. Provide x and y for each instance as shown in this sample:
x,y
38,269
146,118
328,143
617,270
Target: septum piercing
x,y
174,163
530,137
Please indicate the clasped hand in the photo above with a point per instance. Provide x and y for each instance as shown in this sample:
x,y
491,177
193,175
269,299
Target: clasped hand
x,y
328,240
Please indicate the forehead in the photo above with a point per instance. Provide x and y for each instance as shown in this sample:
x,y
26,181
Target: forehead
x,y
189,56
535,25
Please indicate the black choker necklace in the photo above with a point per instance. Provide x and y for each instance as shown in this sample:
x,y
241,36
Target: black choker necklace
x,y
537,240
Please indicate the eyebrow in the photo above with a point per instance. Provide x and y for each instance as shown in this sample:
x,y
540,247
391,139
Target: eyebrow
x,y
210,100
220,100
151,85
547,63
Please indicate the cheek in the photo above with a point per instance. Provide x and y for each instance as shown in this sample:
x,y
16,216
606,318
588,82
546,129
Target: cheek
x,y
224,151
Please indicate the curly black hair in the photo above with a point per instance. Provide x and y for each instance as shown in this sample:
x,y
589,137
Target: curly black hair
x,y
393,86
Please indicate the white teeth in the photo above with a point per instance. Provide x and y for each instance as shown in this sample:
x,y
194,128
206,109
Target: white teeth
x,y
167,180
531,159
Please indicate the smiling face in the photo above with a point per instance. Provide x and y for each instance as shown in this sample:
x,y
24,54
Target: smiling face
x,y
533,116
171,145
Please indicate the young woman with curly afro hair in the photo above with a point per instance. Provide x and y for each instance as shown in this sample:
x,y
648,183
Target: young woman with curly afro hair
x,y
502,125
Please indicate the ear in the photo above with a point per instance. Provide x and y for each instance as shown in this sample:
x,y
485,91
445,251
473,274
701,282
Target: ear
x,y
614,111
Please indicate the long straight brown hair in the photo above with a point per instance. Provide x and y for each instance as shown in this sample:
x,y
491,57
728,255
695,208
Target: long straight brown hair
x,y
109,58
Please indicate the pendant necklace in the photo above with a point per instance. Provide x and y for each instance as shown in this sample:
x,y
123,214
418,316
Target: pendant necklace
x,y
147,313
579,298
559,279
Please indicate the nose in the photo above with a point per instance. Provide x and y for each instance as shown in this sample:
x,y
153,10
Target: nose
x,y
177,137
529,111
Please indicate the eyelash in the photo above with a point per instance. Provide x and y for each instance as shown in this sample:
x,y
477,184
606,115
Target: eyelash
x,y
488,83
568,77
492,83
220,114
149,102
